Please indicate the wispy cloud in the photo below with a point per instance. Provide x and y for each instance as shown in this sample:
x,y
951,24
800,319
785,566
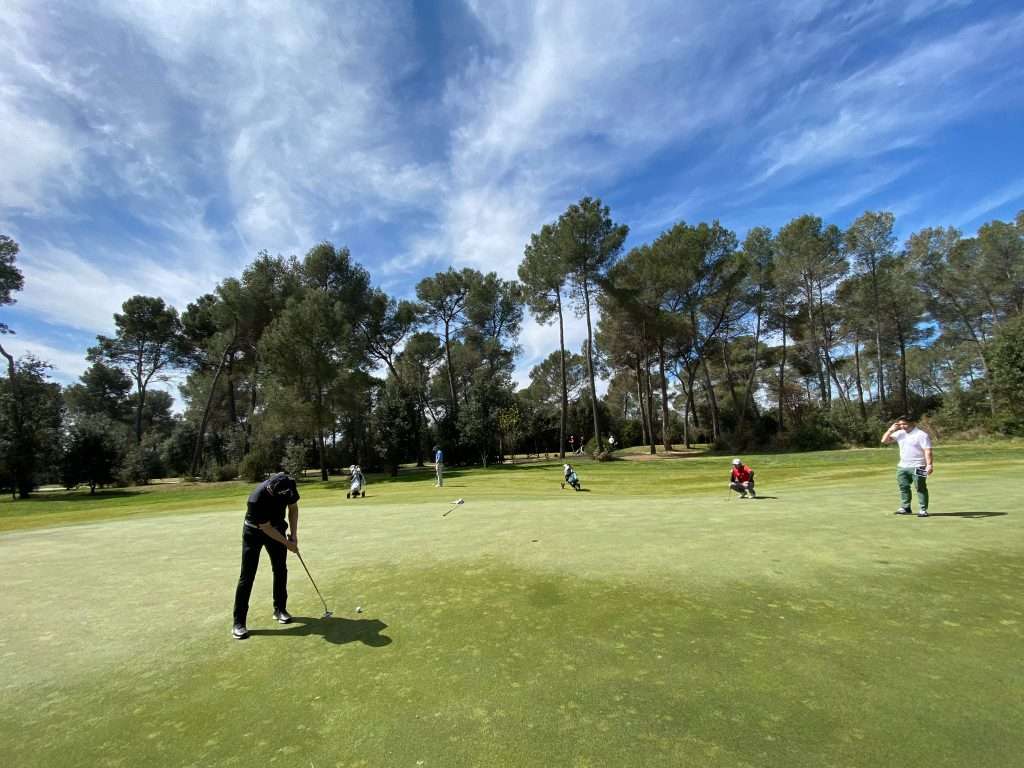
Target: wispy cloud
x,y
68,364
154,147
895,104
919,9
1011,193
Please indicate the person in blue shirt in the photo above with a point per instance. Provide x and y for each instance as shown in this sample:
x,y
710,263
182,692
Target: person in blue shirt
x,y
438,466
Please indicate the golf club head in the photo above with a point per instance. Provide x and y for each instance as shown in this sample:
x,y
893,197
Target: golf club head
x,y
327,615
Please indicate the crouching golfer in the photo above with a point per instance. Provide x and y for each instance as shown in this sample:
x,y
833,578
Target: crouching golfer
x,y
915,462
741,479
264,526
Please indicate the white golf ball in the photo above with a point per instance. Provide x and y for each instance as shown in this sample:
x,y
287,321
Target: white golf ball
x,y
359,609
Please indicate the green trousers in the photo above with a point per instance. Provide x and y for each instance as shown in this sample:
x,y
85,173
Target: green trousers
x,y
904,479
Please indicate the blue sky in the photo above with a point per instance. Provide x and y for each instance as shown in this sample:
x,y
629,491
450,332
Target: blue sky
x,y
154,147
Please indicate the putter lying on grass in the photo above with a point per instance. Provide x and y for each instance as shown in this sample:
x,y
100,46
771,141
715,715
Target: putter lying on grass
x,y
327,613
455,503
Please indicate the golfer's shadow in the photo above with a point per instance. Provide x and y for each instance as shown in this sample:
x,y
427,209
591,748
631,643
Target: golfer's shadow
x,y
970,515
333,629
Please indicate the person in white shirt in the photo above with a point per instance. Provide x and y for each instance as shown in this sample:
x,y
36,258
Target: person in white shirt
x,y
915,462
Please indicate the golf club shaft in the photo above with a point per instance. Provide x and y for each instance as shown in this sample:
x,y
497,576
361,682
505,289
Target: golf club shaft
x,y
312,582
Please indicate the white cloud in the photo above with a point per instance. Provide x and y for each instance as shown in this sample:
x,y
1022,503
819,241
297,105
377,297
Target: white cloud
x,y
207,131
538,341
891,105
62,288
591,91
39,159
65,289
1010,193
919,9
68,364
294,98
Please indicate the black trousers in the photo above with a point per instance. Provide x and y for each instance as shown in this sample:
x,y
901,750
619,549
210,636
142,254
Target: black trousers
x,y
253,540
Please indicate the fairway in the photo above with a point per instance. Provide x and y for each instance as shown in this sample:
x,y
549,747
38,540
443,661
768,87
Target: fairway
x,y
649,620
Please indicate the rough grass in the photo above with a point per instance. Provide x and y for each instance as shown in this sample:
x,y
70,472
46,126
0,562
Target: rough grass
x,y
648,621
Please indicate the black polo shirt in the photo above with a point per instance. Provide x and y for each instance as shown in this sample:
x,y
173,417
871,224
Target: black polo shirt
x,y
268,502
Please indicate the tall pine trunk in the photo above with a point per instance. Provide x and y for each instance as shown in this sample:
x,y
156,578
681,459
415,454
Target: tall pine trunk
x,y
650,404
860,386
565,387
903,369
729,379
782,379
197,451
665,437
691,410
590,370
817,346
640,402
878,336
22,474
748,393
716,422
448,363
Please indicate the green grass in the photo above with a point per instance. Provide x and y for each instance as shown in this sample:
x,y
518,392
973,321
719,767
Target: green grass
x,y
648,621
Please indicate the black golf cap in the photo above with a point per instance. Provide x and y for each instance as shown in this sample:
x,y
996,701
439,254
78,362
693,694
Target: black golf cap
x,y
282,485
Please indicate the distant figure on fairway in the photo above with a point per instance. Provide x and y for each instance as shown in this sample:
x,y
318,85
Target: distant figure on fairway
x,y
569,476
572,444
611,443
741,479
264,526
580,446
357,482
915,462
438,467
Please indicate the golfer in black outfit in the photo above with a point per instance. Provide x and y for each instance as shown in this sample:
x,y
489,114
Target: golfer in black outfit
x,y
264,526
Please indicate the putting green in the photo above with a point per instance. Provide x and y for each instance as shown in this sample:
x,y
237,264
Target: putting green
x,y
647,621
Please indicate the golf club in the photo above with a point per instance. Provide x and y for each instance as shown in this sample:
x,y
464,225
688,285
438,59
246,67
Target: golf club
x,y
455,503
327,613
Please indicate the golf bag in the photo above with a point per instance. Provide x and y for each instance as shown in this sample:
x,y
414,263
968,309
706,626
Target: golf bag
x,y
570,477
357,484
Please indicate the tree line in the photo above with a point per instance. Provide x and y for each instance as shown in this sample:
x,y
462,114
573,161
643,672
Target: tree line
x,y
804,338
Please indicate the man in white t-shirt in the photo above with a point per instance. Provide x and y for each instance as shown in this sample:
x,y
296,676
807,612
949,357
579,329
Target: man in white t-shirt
x,y
915,462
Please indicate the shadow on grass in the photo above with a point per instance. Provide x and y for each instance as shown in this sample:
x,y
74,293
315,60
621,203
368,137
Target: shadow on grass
x,y
78,495
421,474
333,629
968,515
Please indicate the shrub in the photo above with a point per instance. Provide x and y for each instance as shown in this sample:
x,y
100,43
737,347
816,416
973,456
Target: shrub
x,y
132,470
852,429
215,472
294,461
208,472
814,433
629,433
258,463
